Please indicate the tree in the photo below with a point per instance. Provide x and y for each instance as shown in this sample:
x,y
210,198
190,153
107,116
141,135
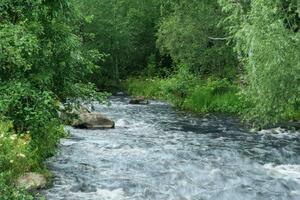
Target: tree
x,y
41,63
190,34
124,31
267,40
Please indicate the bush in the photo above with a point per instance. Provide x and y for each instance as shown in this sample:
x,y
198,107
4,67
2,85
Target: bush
x,y
16,158
149,88
11,193
34,112
42,63
215,96
179,86
266,38
15,152
185,91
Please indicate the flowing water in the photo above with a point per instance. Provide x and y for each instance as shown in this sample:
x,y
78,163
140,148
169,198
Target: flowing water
x,y
157,153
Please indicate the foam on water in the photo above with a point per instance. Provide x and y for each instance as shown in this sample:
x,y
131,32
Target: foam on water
x,y
284,171
280,132
100,194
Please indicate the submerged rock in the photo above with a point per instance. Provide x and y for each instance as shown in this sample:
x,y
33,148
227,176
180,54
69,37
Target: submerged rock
x,y
291,125
93,120
31,181
120,94
139,101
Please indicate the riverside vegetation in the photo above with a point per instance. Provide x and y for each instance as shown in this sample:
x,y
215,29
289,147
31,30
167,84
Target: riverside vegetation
x,y
239,57
231,56
41,65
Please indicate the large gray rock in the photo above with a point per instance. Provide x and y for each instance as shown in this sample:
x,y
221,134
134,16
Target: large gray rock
x,y
31,181
139,101
92,120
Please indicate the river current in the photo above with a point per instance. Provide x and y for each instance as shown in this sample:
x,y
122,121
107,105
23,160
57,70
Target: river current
x,y
158,153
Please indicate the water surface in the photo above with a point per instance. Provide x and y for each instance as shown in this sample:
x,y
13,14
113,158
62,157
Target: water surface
x,y
157,153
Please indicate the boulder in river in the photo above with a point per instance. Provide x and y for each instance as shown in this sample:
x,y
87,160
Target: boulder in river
x,y
93,120
139,100
120,94
31,181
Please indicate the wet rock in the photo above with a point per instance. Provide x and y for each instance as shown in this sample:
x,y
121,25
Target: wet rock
x,y
31,181
93,120
120,94
291,125
82,187
253,130
139,100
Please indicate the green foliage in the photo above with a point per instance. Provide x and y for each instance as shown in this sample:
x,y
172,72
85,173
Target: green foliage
x,y
15,152
190,34
195,95
215,96
269,45
255,43
179,86
41,63
41,46
29,108
49,53
124,31
11,193
147,87
32,111
15,159
151,68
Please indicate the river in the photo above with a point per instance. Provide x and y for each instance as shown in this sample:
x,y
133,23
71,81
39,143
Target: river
x,y
158,153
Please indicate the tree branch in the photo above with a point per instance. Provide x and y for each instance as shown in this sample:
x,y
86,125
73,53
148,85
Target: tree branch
x,y
213,38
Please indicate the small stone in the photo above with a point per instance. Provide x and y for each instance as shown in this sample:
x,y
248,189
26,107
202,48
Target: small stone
x,y
139,100
31,181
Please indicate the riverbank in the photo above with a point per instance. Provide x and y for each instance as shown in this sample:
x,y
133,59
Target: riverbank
x,y
22,157
200,96
197,96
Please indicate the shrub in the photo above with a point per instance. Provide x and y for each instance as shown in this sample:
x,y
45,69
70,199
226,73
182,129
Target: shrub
x,y
215,96
34,112
150,88
15,152
179,86
11,193
16,158
187,92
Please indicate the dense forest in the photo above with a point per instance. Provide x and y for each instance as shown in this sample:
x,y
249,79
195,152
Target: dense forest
x,y
239,57
236,57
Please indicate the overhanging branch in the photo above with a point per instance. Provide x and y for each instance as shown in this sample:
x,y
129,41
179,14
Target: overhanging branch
x,y
214,38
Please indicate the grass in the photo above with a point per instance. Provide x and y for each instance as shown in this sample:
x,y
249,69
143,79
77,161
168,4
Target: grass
x,y
17,157
202,96
149,88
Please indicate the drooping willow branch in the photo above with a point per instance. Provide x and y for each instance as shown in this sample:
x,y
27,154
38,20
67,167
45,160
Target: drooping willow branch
x,y
214,38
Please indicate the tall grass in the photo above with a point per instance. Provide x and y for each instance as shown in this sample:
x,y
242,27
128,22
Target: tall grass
x,y
149,88
215,96
200,96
